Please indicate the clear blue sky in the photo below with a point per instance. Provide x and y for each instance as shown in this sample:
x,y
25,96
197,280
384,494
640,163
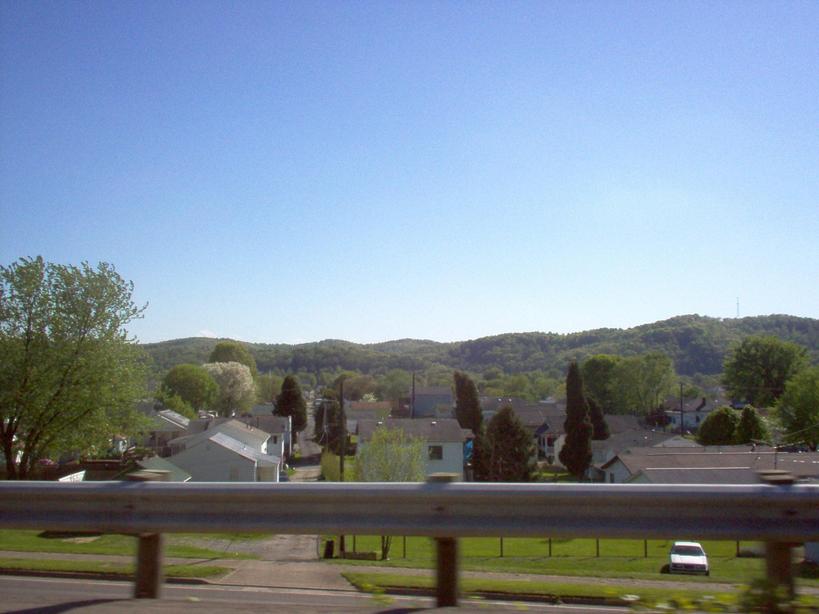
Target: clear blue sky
x,y
293,171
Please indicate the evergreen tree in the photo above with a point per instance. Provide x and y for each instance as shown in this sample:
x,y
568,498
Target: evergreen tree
x,y
576,454
290,402
467,404
511,457
481,452
719,427
600,428
751,427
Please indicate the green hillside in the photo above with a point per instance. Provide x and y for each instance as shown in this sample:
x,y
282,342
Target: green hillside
x,y
697,344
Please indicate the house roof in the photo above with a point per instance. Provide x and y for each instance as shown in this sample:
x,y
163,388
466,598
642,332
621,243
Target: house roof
x,y
493,403
370,405
241,449
444,430
621,423
798,464
431,391
175,473
267,423
619,442
530,416
244,433
725,475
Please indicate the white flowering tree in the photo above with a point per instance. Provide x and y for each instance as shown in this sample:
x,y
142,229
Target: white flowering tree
x,y
237,390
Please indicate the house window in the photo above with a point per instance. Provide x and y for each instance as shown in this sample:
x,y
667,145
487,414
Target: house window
x,y
275,440
436,452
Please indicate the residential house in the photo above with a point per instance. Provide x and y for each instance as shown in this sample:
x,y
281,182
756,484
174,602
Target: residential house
x,y
213,456
200,430
431,402
443,440
694,411
707,465
165,425
280,429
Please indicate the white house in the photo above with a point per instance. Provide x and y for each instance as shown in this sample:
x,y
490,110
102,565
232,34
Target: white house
x,y
443,440
217,457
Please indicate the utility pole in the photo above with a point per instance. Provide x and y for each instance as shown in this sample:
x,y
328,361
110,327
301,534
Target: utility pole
x,y
682,416
412,397
342,427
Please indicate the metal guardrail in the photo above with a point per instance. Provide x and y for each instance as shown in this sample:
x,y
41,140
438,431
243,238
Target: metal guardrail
x,y
780,514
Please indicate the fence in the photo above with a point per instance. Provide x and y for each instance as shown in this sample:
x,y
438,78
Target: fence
x,y
782,515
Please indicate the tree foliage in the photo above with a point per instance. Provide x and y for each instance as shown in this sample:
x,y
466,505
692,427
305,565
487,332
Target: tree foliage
x,y
290,402
237,392
751,427
719,427
330,424
576,454
192,384
600,428
69,375
695,344
233,351
798,408
390,456
757,369
467,403
511,456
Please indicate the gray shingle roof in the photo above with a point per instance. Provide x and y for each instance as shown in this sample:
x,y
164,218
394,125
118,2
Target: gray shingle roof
x,y
442,430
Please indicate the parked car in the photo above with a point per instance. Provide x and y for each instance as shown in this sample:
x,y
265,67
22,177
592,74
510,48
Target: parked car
x,y
688,557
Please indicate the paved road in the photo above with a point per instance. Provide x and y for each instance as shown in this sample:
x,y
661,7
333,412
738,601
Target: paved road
x,y
53,596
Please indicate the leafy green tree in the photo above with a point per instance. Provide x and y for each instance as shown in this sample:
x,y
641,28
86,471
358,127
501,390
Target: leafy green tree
x,y
69,374
191,383
719,427
600,428
481,454
268,386
511,457
598,373
641,382
467,404
390,456
394,385
798,408
233,351
576,454
177,404
237,391
751,427
290,402
758,369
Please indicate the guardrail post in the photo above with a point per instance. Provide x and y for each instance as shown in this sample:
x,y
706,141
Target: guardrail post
x,y
447,558
149,578
779,555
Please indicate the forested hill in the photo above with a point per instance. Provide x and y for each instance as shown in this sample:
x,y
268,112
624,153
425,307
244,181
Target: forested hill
x,y
697,344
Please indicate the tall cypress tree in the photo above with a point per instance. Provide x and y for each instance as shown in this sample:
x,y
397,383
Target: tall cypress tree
x,y
576,454
512,454
599,425
467,404
290,402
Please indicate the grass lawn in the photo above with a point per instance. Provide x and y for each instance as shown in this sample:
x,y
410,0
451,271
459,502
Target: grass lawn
x,y
618,557
36,541
555,590
171,571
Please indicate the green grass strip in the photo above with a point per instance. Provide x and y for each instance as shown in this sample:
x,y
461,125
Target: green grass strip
x,y
35,541
376,582
171,571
